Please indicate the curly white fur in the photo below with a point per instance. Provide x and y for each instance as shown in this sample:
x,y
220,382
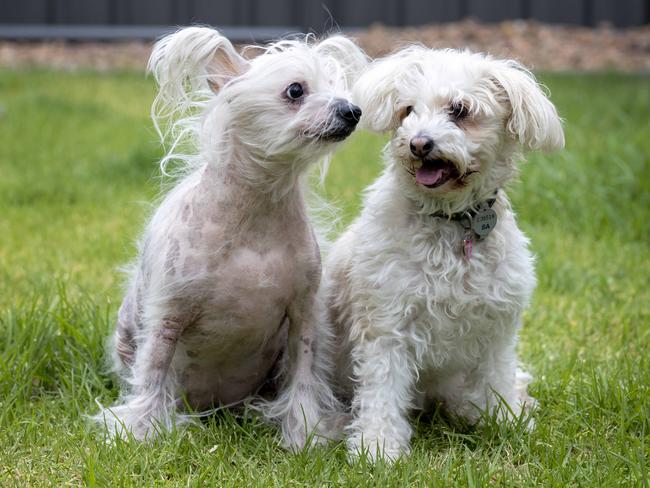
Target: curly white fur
x,y
223,292
415,320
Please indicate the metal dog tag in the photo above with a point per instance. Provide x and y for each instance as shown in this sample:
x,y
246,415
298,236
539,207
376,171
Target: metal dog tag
x,y
484,221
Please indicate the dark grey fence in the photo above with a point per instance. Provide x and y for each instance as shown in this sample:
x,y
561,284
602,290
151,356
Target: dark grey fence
x,y
267,18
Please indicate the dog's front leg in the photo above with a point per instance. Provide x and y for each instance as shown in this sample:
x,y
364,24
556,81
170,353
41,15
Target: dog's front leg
x,y
306,392
384,374
150,404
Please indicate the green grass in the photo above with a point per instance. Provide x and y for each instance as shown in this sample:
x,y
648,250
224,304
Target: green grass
x,y
77,166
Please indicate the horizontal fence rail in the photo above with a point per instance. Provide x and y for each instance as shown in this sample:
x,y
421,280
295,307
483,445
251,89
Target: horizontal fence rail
x,y
263,19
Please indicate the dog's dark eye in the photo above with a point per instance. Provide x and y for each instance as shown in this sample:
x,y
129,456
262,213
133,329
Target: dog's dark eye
x,y
458,110
294,91
405,112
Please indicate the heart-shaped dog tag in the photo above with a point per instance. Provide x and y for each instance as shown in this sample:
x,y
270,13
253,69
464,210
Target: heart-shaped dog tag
x,y
484,221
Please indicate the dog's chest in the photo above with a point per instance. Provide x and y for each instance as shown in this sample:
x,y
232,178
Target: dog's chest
x,y
245,292
231,258
250,280
462,304
240,267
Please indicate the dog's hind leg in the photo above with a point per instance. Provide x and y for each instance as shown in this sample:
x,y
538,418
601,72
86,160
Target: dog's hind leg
x,y
151,403
492,385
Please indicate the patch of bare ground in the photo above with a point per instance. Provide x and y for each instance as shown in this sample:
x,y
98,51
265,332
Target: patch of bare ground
x,y
540,46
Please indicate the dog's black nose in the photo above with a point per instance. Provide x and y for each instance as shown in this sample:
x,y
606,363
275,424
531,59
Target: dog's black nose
x,y
421,146
348,112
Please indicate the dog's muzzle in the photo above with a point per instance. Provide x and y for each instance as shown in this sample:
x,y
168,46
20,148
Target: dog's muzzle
x,y
346,117
433,171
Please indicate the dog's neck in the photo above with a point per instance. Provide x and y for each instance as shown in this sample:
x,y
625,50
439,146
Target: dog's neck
x,y
224,185
469,210
271,180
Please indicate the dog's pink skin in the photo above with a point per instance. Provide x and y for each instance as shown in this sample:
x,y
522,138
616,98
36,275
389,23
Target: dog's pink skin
x,y
237,264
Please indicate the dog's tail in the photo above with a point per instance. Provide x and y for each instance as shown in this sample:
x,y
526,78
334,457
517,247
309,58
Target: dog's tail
x,y
188,67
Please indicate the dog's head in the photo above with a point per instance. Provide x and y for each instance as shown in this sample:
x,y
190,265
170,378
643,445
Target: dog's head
x,y
294,96
289,101
459,121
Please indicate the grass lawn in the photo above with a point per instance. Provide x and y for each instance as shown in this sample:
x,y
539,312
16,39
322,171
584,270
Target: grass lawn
x,y
77,166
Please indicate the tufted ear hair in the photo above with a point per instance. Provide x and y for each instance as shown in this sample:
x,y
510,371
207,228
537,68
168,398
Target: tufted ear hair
x,y
376,93
193,57
351,57
533,119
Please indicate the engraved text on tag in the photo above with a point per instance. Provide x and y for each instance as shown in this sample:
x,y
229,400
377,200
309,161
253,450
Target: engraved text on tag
x,y
484,221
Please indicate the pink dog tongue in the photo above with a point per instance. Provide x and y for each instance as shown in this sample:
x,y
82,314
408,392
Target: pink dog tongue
x,y
428,176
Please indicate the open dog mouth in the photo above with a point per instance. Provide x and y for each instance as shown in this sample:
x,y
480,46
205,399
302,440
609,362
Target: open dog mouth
x,y
435,172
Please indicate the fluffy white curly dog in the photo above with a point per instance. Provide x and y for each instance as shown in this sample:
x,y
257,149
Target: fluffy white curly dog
x,y
426,288
223,292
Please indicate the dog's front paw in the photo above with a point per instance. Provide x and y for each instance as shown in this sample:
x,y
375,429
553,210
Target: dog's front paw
x,y
298,440
142,421
377,449
122,422
304,423
299,433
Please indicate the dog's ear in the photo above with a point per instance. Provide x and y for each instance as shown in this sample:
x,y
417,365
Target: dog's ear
x,y
375,92
533,119
345,51
193,57
225,65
